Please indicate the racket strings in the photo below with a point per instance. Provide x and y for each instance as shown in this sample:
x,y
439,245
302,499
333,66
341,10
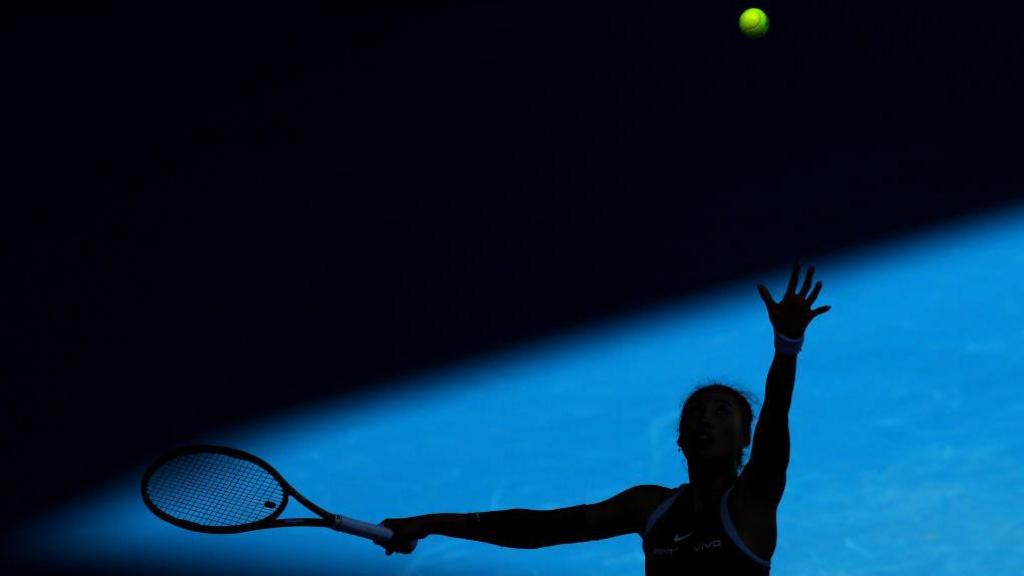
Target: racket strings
x,y
214,489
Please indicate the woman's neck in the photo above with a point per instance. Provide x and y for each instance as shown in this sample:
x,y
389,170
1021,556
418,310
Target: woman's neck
x,y
706,490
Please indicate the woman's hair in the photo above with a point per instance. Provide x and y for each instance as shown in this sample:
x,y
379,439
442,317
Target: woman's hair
x,y
743,401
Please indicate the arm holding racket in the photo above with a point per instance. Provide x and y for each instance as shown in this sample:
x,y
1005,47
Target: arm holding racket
x,y
514,528
530,529
223,490
517,527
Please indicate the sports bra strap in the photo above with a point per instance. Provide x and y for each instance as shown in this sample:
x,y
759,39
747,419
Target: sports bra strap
x,y
661,509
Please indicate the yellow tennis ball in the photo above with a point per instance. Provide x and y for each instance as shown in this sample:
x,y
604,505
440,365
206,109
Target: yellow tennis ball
x,y
754,22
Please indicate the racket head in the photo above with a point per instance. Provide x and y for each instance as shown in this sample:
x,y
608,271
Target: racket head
x,y
214,489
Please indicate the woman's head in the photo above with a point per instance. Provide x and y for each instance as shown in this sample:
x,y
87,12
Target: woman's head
x,y
725,414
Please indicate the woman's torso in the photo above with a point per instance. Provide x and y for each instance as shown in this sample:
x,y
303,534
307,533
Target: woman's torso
x,y
677,540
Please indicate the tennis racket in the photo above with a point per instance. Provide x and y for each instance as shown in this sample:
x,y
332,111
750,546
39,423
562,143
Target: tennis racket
x,y
220,490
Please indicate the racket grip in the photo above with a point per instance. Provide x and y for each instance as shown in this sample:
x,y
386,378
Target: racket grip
x,y
359,528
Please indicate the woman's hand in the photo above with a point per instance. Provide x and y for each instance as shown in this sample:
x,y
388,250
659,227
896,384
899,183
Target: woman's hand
x,y
407,532
793,313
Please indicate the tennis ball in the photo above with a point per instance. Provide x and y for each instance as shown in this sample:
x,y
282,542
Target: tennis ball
x,y
754,23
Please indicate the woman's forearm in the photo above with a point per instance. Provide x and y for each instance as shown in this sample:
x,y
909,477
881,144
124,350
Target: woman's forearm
x,y
454,525
779,387
516,527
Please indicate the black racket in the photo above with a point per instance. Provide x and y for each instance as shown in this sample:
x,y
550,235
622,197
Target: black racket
x,y
220,490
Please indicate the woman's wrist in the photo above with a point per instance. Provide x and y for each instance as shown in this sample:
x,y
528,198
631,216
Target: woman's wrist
x,y
788,346
453,525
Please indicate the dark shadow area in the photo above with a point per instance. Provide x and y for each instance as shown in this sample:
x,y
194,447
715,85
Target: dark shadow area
x,y
213,216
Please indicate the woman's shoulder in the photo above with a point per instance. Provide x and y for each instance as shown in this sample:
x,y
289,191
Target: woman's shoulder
x,y
651,495
657,489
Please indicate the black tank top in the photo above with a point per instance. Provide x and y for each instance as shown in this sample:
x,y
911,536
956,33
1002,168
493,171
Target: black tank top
x,y
675,546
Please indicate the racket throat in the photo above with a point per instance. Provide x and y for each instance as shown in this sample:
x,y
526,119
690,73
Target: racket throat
x,y
337,522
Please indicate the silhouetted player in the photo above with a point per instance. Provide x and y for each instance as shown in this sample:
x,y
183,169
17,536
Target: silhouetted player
x,y
721,522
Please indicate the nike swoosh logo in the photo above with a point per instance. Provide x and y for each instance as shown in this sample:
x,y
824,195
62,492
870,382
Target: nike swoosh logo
x,y
677,538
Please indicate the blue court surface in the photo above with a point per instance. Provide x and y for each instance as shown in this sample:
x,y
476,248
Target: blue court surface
x,y
906,427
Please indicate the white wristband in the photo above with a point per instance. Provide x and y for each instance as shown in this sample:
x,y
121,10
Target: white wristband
x,y
788,346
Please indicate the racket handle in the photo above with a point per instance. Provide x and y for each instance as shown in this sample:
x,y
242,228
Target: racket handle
x,y
359,528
